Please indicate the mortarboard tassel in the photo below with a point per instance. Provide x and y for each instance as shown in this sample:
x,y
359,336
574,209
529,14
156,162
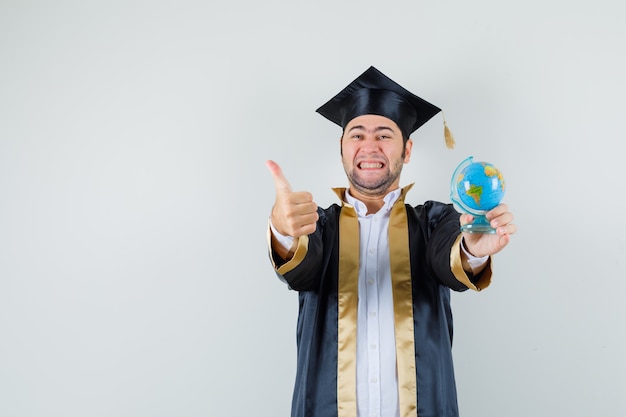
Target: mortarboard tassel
x,y
448,136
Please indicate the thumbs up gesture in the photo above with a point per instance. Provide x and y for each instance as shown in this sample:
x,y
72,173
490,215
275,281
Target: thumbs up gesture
x,y
294,213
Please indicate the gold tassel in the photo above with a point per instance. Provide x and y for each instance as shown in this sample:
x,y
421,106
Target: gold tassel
x,y
448,136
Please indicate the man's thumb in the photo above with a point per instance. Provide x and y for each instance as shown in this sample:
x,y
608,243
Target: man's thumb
x,y
281,183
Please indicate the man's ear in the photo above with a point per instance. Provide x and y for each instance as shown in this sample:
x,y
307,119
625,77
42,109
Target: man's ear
x,y
407,150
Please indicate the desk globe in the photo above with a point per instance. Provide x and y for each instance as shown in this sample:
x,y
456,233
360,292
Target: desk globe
x,y
476,188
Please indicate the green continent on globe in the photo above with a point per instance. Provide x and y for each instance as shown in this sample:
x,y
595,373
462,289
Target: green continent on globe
x,y
475,191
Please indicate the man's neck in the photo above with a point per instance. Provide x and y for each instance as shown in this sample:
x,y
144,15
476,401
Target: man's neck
x,y
373,202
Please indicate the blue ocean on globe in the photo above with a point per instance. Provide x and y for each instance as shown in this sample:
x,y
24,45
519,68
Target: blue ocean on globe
x,y
480,186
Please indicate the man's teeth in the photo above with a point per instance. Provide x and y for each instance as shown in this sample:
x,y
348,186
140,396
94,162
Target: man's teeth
x,y
366,165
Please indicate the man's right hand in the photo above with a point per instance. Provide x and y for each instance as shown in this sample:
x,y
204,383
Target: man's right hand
x,y
294,213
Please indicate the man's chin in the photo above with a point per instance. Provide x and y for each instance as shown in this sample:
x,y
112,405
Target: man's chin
x,y
371,188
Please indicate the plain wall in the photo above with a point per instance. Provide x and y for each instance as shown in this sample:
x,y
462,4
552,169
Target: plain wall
x,y
134,197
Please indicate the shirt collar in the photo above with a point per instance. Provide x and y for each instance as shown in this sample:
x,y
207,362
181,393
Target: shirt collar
x,y
361,208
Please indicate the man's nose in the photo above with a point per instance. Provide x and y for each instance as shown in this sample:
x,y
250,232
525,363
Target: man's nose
x,y
370,143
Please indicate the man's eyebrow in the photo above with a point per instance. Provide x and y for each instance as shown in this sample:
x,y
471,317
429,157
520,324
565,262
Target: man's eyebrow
x,y
376,129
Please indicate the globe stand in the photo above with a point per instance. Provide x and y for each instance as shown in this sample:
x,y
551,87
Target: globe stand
x,y
479,225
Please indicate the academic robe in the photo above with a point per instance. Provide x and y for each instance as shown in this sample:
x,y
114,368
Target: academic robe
x,y
424,245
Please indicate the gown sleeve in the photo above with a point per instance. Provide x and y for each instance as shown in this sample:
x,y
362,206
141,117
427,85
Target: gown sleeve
x,y
302,271
444,251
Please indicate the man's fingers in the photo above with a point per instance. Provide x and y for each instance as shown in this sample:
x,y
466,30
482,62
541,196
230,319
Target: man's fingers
x,y
294,209
294,213
281,183
303,224
497,211
466,218
299,197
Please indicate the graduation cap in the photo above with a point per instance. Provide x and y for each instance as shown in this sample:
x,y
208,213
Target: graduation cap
x,y
375,93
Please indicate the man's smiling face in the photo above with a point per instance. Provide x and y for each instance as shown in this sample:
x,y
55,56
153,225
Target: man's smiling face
x,y
373,152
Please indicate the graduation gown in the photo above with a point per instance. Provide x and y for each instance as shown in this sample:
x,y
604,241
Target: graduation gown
x,y
424,245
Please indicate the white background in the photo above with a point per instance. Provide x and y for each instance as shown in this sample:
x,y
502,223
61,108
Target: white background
x,y
134,278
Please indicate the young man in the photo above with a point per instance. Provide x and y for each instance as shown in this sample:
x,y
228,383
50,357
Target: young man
x,y
374,274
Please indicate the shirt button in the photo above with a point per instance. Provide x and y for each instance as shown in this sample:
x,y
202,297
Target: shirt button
x,y
372,314
374,380
370,282
373,346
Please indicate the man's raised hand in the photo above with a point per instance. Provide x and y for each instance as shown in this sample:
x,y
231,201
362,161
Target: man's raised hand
x,y
294,213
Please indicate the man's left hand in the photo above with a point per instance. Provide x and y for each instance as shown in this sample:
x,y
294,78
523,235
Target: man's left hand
x,y
483,244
